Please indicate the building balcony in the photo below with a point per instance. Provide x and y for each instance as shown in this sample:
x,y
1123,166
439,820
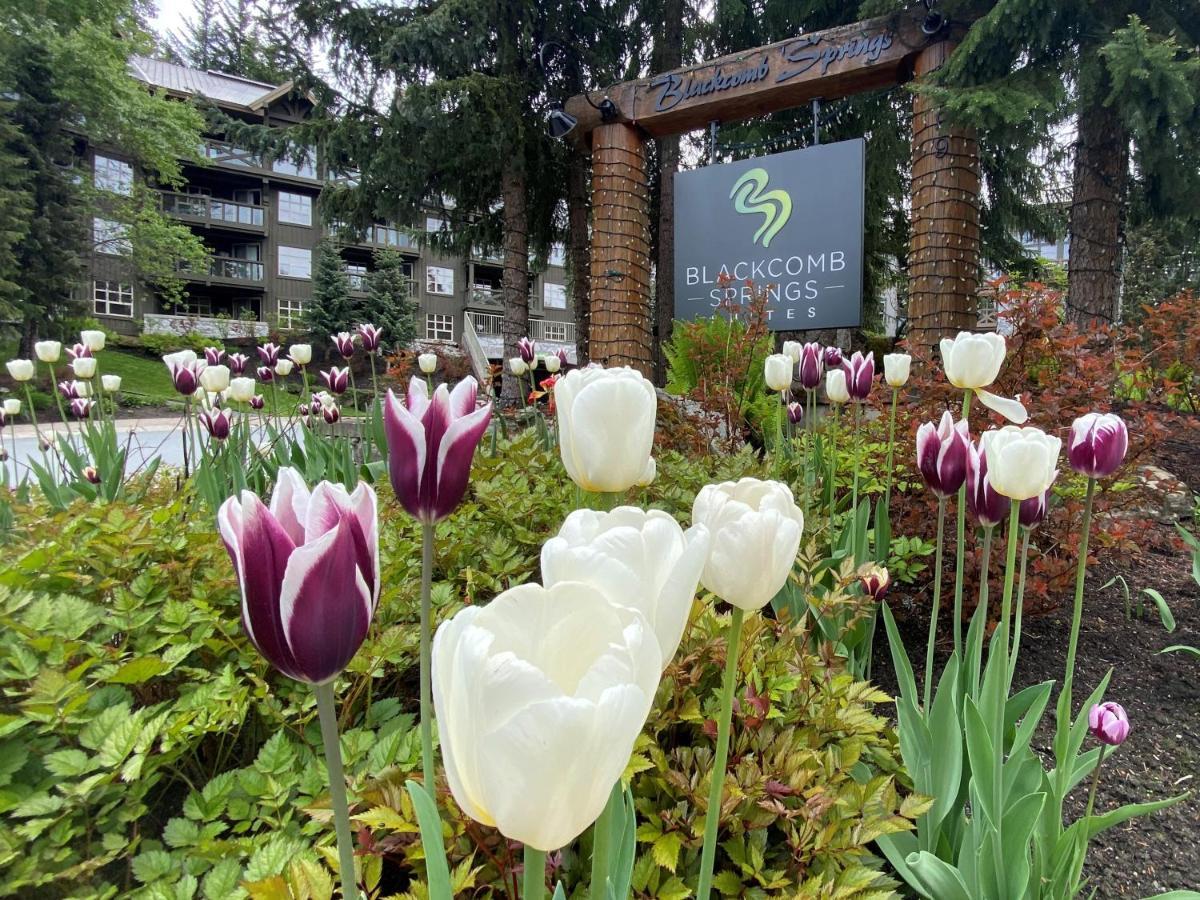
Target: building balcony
x,y
228,270
214,211
485,298
548,334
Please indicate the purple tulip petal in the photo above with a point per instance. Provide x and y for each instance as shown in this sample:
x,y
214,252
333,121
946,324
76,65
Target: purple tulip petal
x,y
325,604
260,549
406,453
454,458
436,420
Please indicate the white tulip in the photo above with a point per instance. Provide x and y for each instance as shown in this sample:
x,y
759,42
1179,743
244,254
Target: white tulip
x,y
638,558
180,358
755,528
242,389
427,363
20,369
110,383
606,427
778,371
972,362
553,363
283,367
518,366
82,388
93,340
215,379
1021,462
793,351
12,407
48,351
835,386
300,354
84,366
896,368
539,698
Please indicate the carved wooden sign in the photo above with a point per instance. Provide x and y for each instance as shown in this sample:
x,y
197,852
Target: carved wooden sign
x,y
828,64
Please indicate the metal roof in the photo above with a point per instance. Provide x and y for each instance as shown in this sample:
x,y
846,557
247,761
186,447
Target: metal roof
x,y
216,86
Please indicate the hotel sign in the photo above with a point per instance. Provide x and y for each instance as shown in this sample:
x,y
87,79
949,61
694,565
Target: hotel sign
x,y
791,223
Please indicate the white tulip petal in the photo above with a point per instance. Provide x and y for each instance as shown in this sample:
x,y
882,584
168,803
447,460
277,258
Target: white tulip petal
x,y
1013,410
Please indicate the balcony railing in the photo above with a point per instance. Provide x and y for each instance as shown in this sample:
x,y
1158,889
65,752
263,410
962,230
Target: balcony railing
x,y
357,282
195,206
488,325
485,324
228,155
236,269
489,298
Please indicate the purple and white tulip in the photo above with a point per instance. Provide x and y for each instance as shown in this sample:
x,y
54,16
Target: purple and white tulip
x,y
1108,723
331,413
344,341
237,363
860,375
257,401
186,375
81,408
337,380
528,350
78,351
989,508
266,374
1033,509
431,442
812,366
942,452
308,569
371,336
833,357
1098,444
795,413
213,355
269,354
217,422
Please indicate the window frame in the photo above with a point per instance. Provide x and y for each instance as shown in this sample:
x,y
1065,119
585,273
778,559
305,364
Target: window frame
x,y
280,261
104,177
110,237
108,301
546,304
436,287
280,207
289,312
439,327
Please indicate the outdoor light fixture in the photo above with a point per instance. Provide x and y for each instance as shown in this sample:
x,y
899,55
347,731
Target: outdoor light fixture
x,y
559,122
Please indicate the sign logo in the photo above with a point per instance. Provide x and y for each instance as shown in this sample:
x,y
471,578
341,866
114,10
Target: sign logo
x,y
749,195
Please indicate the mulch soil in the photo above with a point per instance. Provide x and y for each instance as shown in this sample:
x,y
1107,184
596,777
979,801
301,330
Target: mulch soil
x,y
1161,693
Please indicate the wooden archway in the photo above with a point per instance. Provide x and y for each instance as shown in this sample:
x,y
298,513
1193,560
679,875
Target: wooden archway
x,y
943,262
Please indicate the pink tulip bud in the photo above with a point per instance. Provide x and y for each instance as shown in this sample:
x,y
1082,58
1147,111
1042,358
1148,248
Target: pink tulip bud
x,y
1108,723
942,455
269,354
989,507
860,375
237,363
217,422
78,351
344,341
833,357
266,374
371,337
1098,444
331,413
430,445
812,366
337,380
795,413
213,355
1033,510
257,401
528,350
308,569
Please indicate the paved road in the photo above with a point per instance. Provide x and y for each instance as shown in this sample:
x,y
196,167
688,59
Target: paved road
x,y
145,439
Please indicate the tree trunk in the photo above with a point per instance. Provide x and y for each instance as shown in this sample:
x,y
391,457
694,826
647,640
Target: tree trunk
x,y
579,251
516,271
1098,193
668,56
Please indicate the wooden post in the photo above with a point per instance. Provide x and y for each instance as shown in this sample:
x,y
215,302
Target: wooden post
x,y
943,259
620,271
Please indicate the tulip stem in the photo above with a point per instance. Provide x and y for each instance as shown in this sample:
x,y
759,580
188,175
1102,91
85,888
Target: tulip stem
x,y
337,787
534,877
937,600
854,548
1081,853
985,567
887,497
426,613
1077,612
602,844
712,816
1016,644
961,536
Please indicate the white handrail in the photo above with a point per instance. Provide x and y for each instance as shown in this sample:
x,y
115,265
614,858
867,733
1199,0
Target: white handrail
x,y
479,360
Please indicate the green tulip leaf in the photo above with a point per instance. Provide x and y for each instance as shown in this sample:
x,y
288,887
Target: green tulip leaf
x,y
1181,648
436,870
1164,611
937,879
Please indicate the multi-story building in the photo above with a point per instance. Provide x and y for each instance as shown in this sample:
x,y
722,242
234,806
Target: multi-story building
x,y
260,220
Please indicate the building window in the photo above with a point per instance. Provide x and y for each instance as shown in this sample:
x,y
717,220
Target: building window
x,y
112,298
434,225
113,175
291,313
305,168
110,237
295,209
295,262
554,295
558,255
555,331
439,327
197,306
356,277
439,280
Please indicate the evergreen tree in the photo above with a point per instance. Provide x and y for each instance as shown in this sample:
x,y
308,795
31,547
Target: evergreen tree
x,y
389,299
331,310
238,37
63,66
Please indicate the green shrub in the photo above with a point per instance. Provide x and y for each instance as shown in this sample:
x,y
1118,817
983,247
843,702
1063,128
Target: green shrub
x,y
161,344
